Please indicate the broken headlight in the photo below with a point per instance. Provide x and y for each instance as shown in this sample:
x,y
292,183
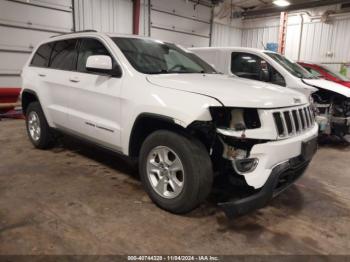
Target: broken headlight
x,y
235,118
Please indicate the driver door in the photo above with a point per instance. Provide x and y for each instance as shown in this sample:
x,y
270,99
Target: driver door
x,y
96,99
253,67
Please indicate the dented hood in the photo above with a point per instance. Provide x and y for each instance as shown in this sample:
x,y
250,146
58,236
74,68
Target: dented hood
x,y
234,92
328,85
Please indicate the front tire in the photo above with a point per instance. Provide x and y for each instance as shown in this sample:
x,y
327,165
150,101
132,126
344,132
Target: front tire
x,y
39,132
175,170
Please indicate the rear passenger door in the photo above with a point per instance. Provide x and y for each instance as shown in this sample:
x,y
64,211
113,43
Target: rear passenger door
x,y
95,107
52,64
62,62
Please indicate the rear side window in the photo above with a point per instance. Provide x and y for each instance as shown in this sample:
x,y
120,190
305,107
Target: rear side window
x,y
64,55
42,56
88,48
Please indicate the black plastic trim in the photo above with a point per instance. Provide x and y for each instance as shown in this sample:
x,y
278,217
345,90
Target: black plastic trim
x,y
270,190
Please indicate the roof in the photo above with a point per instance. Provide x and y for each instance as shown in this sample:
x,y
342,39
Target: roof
x,y
232,48
93,32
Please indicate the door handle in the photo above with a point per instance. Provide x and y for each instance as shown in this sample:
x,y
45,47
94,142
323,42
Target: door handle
x,y
41,75
74,79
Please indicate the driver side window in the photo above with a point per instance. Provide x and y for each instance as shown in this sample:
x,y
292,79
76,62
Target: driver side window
x,y
253,67
89,47
246,65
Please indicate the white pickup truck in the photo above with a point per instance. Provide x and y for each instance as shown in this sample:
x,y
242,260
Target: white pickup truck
x,y
158,103
331,100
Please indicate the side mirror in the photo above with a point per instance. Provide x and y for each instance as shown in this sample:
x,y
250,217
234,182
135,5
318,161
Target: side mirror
x,y
102,64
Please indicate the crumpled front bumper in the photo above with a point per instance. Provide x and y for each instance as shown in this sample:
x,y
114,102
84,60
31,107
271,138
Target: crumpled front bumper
x,y
273,153
281,177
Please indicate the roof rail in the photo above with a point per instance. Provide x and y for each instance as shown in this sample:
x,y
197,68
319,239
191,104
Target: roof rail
x,y
82,31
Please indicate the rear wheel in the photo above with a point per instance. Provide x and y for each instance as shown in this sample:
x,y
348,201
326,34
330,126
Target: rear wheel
x,y
39,132
176,171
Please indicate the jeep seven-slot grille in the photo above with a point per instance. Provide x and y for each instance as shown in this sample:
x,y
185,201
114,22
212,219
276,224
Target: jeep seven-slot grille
x,y
292,121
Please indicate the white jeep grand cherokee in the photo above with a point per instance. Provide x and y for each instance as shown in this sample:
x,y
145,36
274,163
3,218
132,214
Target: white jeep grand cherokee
x,y
159,103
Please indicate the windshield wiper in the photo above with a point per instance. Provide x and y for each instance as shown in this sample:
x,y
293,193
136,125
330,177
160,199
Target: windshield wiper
x,y
163,71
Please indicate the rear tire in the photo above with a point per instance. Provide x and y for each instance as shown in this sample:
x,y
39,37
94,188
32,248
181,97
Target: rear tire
x,y
39,132
181,165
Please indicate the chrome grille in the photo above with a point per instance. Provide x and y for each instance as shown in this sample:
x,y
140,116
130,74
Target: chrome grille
x,y
290,122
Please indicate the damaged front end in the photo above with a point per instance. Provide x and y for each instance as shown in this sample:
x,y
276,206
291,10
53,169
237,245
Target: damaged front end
x,y
333,114
229,138
237,131
242,143
231,135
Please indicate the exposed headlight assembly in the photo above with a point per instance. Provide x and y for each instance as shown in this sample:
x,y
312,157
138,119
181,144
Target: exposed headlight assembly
x,y
235,118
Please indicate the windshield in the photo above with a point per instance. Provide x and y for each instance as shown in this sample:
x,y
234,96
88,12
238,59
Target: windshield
x,y
155,57
335,74
290,66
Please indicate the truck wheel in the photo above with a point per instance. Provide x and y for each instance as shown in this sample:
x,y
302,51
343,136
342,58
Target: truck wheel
x,y
176,171
38,130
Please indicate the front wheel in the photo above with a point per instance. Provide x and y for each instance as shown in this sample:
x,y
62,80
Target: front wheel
x,y
176,171
39,132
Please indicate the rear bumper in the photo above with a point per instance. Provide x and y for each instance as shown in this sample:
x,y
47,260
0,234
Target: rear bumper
x,y
281,177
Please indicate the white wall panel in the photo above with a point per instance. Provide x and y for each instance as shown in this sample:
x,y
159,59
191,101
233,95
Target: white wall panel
x,y
144,19
10,81
104,15
19,14
259,37
176,23
318,38
12,63
21,39
225,35
180,21
183,8
179,38
63,5
292,41
23,24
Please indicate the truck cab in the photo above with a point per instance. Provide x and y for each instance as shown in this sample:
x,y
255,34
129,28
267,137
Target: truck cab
x,y
331,100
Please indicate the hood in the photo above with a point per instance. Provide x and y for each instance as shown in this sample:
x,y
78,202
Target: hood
x,y
345,83
234,92
328,85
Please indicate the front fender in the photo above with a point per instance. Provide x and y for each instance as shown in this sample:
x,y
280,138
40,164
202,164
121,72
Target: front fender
x,y
180,106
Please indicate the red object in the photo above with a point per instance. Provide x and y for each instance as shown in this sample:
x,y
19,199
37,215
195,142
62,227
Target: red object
x,y
136,17
323,72
8,95
282,33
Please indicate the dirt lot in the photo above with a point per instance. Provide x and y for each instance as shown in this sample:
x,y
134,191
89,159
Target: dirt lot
x,y
76,199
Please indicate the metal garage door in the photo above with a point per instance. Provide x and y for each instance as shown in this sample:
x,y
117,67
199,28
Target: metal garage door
x,y
23,24
180,21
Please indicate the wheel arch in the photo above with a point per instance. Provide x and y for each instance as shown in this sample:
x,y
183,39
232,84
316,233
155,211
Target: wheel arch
x,y
145,124
28,96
